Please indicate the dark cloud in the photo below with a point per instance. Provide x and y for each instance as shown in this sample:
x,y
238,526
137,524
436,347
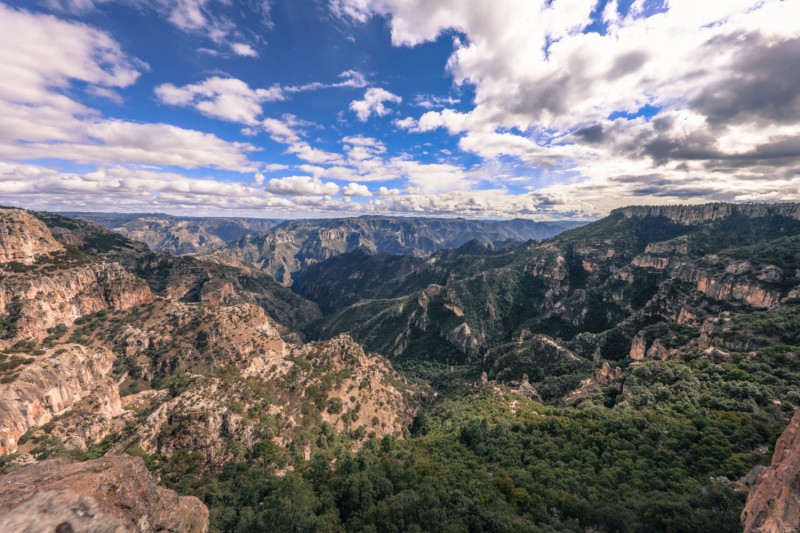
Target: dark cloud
x,y
672,191
552,96
591,134
701,147
627,64
763,84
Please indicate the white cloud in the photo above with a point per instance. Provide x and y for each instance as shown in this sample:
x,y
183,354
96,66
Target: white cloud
x,y
408,123
356,189
243,49
435,102
188,14
372,104
39,53
385,191
40,59
105,92
284,130
374,146
308,153
225,98
350,79
134,190
70,6
300,186
725,126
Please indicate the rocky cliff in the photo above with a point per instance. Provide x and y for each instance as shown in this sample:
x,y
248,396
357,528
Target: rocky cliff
x,y
48,385
23,237
111,494
773,506
38,300
698,214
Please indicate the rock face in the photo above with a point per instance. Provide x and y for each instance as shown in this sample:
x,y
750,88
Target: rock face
x,y
52,384
111,494
774,505
698,214
37,301
24,237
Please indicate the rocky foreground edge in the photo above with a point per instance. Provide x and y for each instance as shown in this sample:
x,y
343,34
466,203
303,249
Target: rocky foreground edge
x,y
112,494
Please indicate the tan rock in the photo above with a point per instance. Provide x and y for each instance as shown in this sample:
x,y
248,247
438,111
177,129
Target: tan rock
x,y
51,385
23,237
774,505
110,494
42,301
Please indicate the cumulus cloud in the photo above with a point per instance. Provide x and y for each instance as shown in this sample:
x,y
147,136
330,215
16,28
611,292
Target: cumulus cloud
x,y
39,53
385,191
139,190
41,57
119,186
356,189
229,99
301,186
373,103
577,104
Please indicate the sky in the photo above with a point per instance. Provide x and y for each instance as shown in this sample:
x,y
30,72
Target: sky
x,y
543,109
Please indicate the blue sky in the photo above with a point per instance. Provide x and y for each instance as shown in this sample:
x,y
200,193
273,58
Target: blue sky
x,y
292,108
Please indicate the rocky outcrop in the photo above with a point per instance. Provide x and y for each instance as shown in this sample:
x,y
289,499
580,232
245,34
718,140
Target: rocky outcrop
x,y
52,384
774,505
38,301
59,511
698,214
110,494
641,348
603,377
23,237
194,337
650,261
461,337
373,396
279,395
730,286
218,292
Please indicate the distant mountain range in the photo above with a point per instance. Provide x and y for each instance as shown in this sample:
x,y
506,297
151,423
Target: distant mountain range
x,y
177,235
297,244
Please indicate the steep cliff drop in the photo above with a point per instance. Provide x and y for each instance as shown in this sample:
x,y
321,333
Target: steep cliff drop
x,y
774,505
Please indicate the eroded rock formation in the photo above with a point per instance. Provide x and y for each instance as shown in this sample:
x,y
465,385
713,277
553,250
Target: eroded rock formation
x,y
773,506
23,237
53,383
